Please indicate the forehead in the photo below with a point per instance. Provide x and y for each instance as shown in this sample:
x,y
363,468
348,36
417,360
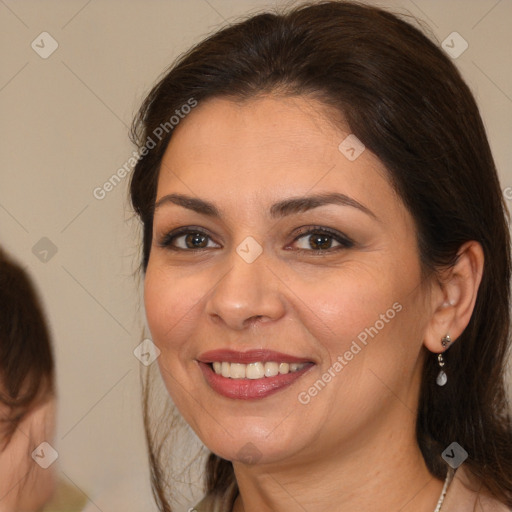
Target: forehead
x,y
265,149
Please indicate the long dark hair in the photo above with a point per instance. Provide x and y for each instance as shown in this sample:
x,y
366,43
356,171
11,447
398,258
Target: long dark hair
x,y
26,354
407,102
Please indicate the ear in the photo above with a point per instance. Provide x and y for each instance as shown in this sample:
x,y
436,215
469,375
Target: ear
x,y
453,297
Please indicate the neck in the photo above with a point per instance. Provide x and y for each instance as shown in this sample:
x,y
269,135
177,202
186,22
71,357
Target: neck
x,y
379,473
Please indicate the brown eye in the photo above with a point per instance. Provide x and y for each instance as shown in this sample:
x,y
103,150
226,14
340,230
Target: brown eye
x,y
318,241
186,240
195,241
322,240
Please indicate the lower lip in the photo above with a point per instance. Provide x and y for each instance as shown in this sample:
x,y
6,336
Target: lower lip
x,y
249,389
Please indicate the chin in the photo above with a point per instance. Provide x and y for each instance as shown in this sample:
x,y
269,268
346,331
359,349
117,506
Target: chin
x,y
251,444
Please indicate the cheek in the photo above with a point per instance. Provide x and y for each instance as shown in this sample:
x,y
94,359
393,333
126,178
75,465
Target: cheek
x,y
156,302
341,305
362,322
168,309
170,306
367,330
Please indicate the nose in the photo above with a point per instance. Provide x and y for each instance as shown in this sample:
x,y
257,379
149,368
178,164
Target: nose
x,y
248,293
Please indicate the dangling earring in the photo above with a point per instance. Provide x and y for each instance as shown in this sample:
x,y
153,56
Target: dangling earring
x,y
441,377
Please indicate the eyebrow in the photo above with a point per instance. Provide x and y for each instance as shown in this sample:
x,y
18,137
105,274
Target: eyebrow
x,y
280,209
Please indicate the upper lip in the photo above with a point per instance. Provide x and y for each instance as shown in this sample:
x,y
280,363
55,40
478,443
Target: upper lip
x,y
249,356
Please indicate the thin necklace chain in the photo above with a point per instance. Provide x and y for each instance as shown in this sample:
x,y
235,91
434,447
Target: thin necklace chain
x,y
447,481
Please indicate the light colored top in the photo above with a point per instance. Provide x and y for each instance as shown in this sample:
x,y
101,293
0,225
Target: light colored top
x,y
459,498
67,498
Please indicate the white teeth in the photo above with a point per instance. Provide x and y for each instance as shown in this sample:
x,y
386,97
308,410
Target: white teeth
x,y
284,368
256,370
271,369
237,371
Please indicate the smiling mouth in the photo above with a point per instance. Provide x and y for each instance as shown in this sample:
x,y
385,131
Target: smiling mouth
x,y
253,374
256,370
255,386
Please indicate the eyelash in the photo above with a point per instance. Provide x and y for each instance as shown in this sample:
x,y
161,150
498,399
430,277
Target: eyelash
x,y
344,241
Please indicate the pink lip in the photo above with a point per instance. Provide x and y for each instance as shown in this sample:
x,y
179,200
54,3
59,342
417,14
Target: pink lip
x,y
250,356
249,389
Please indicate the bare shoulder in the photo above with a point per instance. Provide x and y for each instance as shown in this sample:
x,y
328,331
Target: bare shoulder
x,y
465,495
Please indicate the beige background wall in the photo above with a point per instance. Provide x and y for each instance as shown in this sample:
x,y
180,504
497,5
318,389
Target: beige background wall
x,y
63,133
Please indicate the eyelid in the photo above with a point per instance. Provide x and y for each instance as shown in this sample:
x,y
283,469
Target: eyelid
x,y
166,238
305,230
344,242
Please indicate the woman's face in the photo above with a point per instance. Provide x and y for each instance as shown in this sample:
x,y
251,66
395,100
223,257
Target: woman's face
x,y
303,256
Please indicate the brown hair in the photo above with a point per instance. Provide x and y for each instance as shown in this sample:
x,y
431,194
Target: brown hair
x,y
408,104
26,358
